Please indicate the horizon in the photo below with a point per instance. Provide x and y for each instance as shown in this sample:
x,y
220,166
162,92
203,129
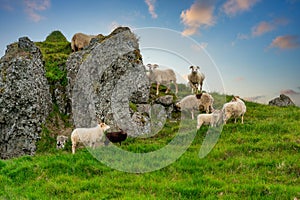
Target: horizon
x,y
254,45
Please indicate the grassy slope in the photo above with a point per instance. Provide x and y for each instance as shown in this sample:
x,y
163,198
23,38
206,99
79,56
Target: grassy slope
x,y
259,159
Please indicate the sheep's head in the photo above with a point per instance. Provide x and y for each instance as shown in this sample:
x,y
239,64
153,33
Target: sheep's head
x,y
103,126
194,69
152,67
235,98
61,141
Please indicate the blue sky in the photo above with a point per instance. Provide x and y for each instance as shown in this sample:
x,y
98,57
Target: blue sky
x,y
253,44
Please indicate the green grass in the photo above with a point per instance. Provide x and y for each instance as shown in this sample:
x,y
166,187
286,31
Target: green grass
x,y
255,160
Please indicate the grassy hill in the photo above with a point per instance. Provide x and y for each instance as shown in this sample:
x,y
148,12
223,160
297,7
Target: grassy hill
x,y
256,160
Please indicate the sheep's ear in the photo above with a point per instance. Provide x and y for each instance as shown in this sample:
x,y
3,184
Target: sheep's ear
x,y
198,67
155,66
148,65
191,67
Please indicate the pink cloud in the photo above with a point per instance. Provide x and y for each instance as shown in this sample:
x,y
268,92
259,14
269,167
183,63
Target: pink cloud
x,y
262,28
151,7
239,79
285,42
265,27
232,7
33,6
289,92
199,15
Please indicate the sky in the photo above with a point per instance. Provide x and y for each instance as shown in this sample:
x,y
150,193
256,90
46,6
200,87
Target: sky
x,y
249,48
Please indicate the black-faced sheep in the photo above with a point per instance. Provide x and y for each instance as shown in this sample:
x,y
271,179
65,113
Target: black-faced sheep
x,y
235,108
115,137
88,136
196,79
159,77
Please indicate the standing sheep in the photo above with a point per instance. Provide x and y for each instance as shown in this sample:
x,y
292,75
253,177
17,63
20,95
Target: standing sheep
x,y
206,102
80,40
193,103
159,76
196,79
235,108
88,136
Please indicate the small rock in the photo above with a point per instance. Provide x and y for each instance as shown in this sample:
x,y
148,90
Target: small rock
x,y
282,100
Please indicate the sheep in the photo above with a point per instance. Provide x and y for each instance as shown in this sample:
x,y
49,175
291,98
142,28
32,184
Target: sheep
x,y
235,108
88,136
115,137
214,119
159,76
61,141
196,79
206,102
193,103
81,40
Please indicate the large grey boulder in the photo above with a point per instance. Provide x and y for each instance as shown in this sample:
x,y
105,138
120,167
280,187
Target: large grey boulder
x,y
104,78
282,100
25,100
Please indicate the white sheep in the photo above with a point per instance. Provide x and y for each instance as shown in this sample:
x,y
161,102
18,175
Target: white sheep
x,y
214,119
159,77
196,79
235,108
88,136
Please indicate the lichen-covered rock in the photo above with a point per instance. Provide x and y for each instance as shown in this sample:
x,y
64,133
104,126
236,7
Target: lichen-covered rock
x,y
282,100
25,100
104,78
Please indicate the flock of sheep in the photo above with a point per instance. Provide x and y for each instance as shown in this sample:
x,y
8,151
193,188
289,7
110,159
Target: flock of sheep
x,y
197,101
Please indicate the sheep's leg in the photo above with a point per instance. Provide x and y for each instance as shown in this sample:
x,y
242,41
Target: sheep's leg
x,y
176,88
235,120
199,125
192,114
242,119
157,88
73,148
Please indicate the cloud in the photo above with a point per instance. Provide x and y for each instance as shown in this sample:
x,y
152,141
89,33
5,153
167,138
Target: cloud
x,y
151,8
232,7
199,15
289,92
239,79
265,27
258,98
34,6
286,42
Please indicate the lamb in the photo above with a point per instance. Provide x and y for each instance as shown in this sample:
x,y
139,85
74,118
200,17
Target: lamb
x,y
88,136
235,108
115,137
196,79
193,103
80,40
214,119
61,141
162,77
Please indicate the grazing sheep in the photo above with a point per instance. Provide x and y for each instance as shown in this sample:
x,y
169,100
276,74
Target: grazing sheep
x,y
80,40
159,76
196,79
115,137
61,141
235,108
88,135
214,119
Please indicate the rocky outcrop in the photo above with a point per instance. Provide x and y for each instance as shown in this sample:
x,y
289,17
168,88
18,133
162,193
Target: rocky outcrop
x,y
282,100
104,77
25,100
